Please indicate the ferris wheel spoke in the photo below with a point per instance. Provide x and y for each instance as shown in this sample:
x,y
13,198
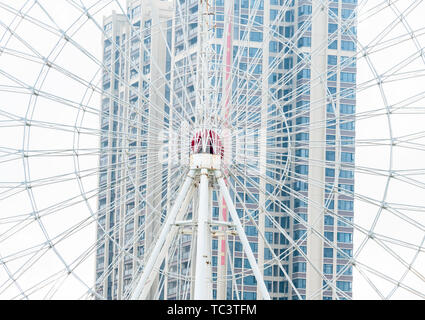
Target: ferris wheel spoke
x,y
50,64
296,244
275,257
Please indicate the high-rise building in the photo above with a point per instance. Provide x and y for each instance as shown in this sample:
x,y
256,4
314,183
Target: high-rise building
x,y
290,55
131,179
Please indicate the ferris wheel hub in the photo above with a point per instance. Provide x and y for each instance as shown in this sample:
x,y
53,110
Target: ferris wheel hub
x,y
206,150
205,161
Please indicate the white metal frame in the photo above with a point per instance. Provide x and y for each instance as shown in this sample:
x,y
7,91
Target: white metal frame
x,y
207,174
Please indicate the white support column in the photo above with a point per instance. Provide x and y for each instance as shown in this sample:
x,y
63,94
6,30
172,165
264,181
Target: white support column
x,y
317,134
203,285
171,217
242,236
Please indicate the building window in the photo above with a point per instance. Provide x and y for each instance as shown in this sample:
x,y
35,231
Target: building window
x,y
299,283
333,44
345,237
344,253
329,220
304,10
329,236
328,252
332,60
327,268
348,45
348,269
299,267
256,36
344,285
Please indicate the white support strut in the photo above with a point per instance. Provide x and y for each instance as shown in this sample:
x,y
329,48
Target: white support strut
x,y
203,287
170,219
241,232
165,248
203,273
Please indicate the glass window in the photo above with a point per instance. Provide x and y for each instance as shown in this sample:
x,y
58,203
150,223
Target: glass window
x,y
332,60
329,235
327,268
345,237
344,285
299,267
328,252
329,220
299,283
348,45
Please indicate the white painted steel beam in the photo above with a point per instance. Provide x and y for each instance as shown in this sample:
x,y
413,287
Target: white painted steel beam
x,y
164,235
317,156
242,236
203,285
168,242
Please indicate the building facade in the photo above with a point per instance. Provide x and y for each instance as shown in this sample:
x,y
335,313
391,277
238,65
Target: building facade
x,y
288,64
131,179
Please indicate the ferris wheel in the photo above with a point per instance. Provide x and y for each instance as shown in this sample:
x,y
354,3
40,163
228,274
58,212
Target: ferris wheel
x,y
212,149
